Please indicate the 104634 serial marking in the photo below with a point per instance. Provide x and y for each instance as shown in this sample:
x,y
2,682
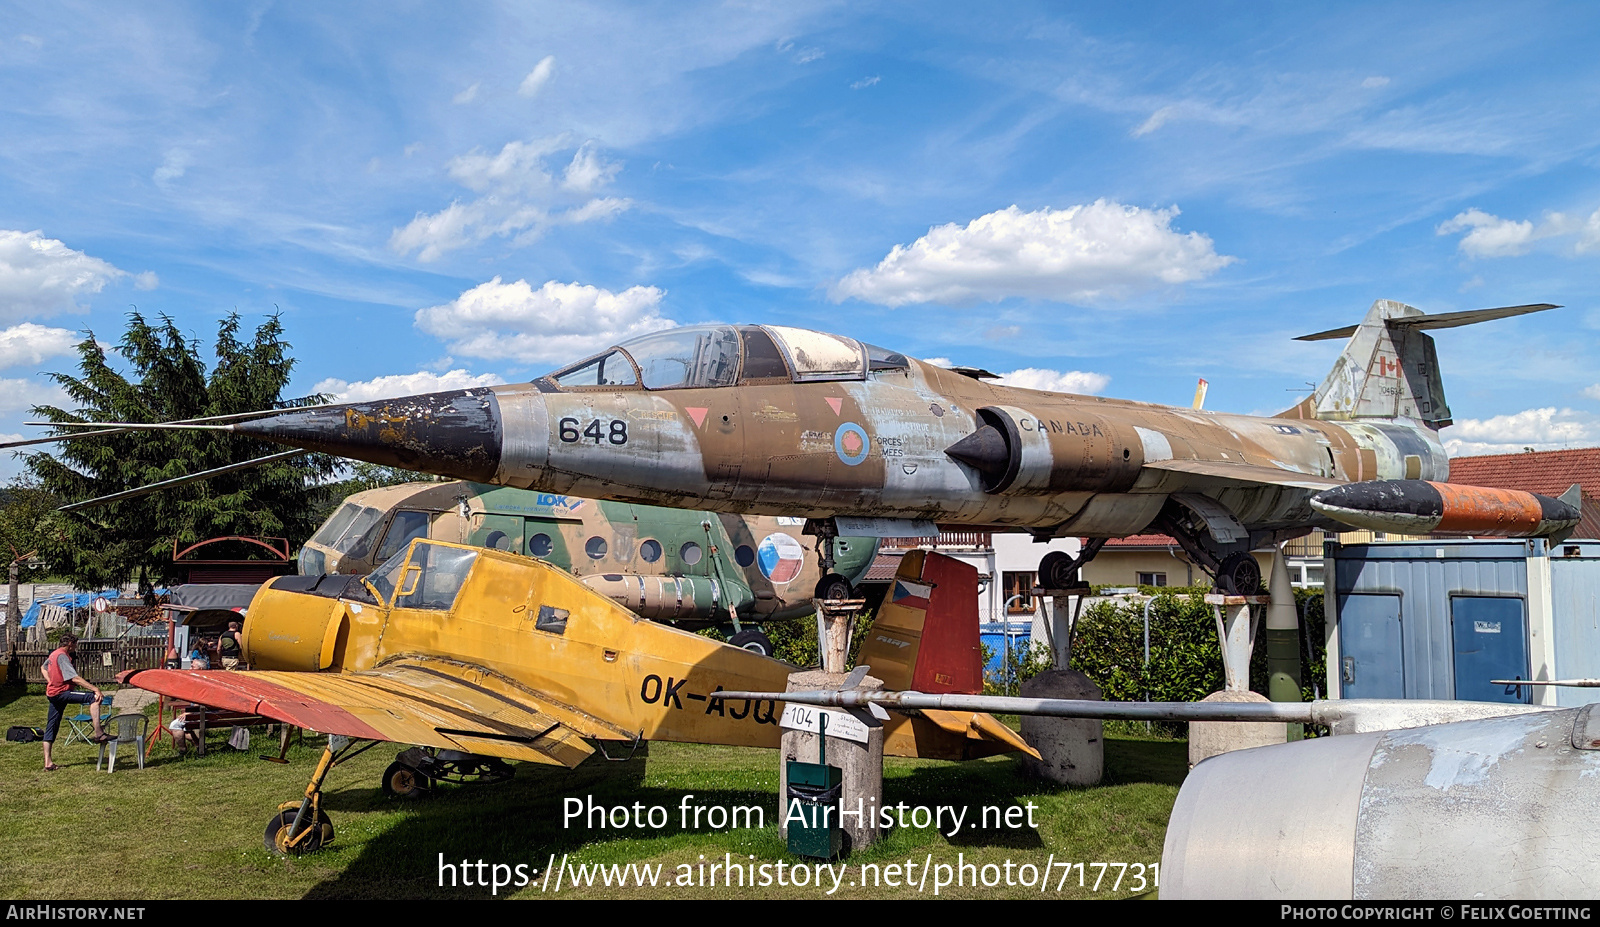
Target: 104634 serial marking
x,y
612,431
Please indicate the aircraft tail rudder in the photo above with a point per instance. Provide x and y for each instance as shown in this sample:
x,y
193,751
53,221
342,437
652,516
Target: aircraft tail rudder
x,y
925,636
1389,369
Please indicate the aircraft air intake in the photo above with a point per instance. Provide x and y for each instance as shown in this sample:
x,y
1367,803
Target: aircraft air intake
x,y
984,450
1026,453
456,433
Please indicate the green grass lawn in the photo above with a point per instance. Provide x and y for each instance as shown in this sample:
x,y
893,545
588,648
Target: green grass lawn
x,y
192,828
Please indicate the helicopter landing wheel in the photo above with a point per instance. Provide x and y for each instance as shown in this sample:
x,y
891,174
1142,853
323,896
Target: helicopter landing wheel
x,y
753,641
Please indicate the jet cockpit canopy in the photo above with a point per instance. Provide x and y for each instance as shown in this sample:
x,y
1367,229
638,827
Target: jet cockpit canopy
x,y
702,356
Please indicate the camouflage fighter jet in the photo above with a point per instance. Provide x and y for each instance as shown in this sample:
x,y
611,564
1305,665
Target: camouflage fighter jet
x,y
783,421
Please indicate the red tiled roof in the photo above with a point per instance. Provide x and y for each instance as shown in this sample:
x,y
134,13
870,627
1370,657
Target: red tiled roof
x,y
1547,472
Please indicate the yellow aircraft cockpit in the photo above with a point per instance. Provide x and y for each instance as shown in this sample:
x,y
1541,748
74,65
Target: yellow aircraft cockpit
x,y
702,356
426,575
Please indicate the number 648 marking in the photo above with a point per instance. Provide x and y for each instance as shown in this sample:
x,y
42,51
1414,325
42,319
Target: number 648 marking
x,y
615,431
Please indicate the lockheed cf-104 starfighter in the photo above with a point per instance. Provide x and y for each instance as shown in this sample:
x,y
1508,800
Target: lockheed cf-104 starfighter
x,y
783,421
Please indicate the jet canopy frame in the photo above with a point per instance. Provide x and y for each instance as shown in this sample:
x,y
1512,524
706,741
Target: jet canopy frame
x,y
711,356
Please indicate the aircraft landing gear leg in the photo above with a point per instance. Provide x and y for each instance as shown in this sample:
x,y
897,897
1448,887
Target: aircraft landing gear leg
x,y
831,586
1058,570
302,826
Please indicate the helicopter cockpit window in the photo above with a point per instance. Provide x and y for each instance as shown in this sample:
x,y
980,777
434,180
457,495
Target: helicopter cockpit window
x,y
347,526
819,355
609,369
406,527
429,577
686,358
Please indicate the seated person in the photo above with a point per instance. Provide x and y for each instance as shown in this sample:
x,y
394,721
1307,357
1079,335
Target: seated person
x,y
182,737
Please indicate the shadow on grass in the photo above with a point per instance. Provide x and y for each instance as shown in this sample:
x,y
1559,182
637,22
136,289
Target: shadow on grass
x,y
515,822
522,821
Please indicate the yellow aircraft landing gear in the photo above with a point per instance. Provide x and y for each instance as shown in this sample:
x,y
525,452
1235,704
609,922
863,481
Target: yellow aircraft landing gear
x,y
302,826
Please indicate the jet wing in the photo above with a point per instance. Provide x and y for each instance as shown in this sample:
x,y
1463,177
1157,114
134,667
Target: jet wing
x,y
1227,471
431,703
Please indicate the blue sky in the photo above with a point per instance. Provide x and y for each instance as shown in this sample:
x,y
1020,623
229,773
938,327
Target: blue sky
x,y
1108,198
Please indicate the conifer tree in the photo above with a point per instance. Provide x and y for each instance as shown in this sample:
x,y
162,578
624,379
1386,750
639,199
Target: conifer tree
x,y
168,381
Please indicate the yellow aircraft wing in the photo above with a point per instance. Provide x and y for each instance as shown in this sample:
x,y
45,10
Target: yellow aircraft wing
x,y
432,703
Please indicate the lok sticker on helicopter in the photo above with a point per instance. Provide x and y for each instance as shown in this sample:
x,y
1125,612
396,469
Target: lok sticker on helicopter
x,y
780,557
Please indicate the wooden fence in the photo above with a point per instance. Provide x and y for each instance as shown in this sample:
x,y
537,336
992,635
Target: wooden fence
x,y
100,661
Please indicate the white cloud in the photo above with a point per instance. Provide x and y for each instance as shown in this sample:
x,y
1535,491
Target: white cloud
x,y
1372,83
1104,249
520,198
40,276
1593,392
467,95
588,170
1157,119
1056,381
33,344
1541,429
555,323
865,82
1490,236
174,166
19,395
404,384
538,77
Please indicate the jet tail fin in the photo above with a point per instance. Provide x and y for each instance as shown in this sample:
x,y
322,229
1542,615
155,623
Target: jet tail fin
x,y
1389,369
925,636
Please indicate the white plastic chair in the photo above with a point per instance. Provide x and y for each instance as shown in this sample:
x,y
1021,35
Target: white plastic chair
x,y
131,729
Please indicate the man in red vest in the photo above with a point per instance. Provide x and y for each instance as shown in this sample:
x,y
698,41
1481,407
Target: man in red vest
x,y
60,677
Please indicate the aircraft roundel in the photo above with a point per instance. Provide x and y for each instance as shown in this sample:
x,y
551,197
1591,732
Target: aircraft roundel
x,y
851,444
780,557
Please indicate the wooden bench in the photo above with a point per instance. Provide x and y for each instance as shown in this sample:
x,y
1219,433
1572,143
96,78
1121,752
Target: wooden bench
x,y
198,722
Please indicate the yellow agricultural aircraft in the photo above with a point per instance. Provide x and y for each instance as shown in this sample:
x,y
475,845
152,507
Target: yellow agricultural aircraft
x,y
487,653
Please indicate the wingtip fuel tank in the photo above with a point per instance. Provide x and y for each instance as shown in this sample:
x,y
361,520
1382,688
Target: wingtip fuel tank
x,y
1425,507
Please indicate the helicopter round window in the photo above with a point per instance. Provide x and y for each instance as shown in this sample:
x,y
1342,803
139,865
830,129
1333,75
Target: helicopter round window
x,y
744,555
540,545
596,547
650,551
689,553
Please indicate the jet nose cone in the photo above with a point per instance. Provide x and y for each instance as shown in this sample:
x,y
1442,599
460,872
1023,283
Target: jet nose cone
x,y
456,434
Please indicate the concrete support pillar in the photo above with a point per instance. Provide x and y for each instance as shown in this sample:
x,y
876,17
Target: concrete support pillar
x,y
1209,738
835,624
1236,632
1071,750
861,764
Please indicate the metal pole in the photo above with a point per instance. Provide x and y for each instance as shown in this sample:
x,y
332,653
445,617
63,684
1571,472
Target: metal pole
x,y
1005,632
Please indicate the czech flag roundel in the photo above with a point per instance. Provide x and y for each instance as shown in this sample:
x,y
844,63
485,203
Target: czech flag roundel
x,y
780,557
